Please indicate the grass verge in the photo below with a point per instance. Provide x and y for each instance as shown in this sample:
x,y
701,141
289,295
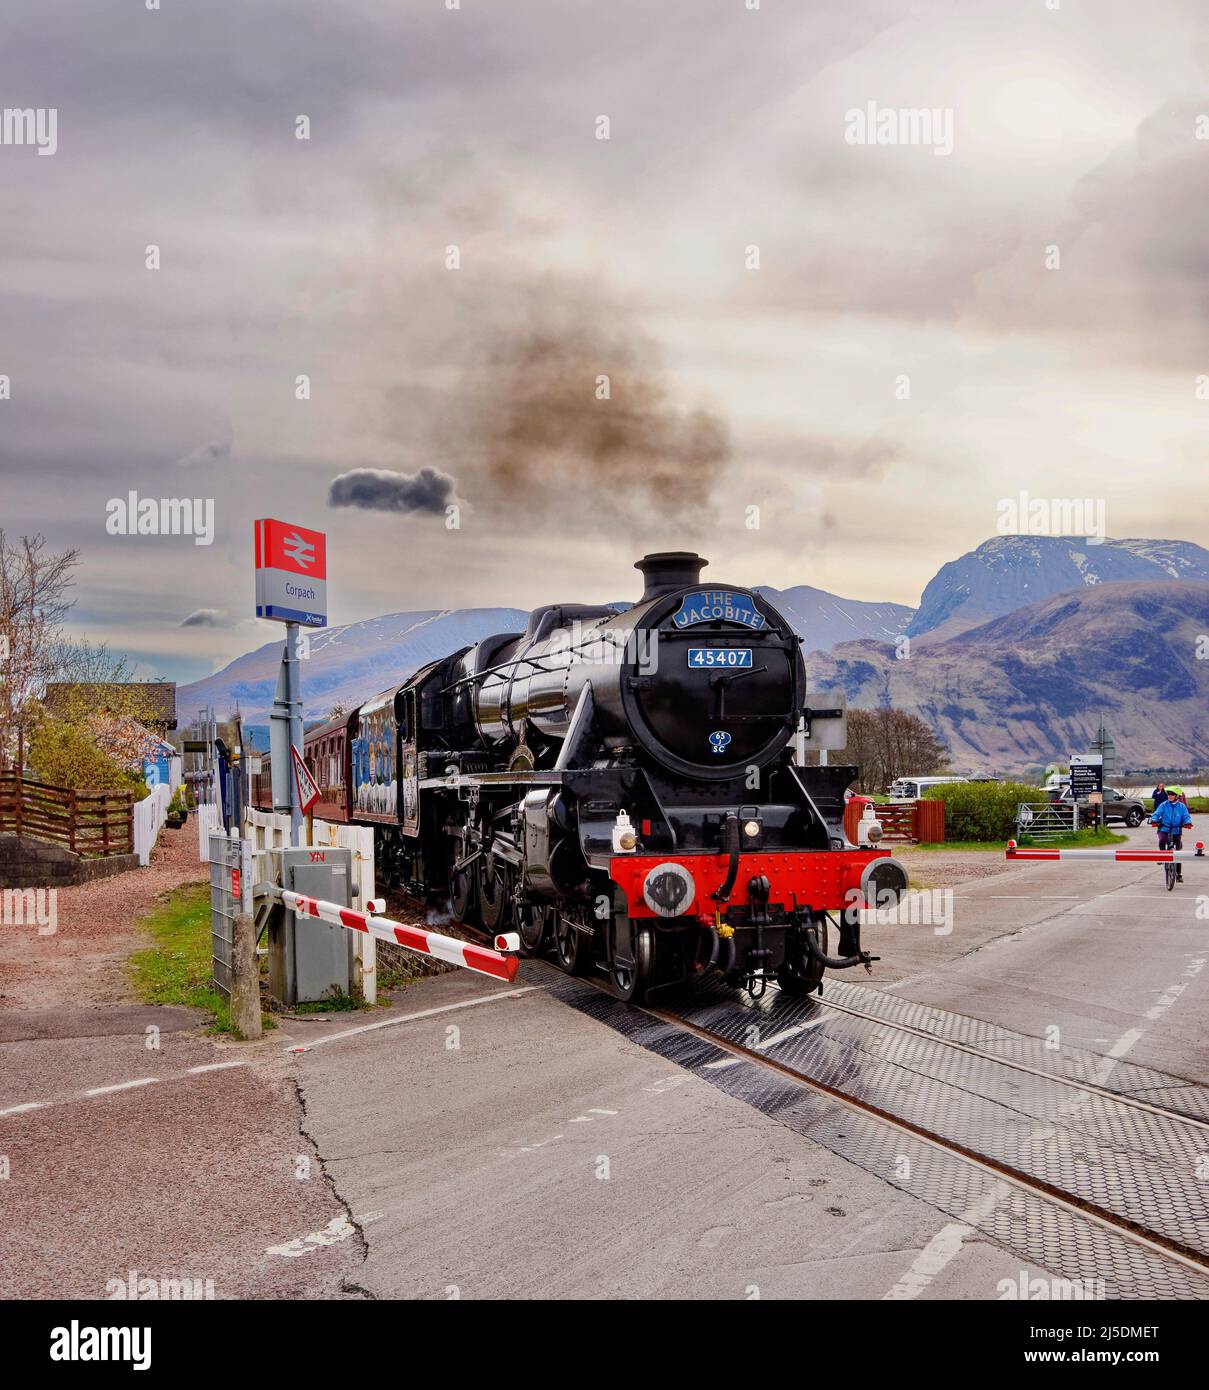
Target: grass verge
x,y
176,968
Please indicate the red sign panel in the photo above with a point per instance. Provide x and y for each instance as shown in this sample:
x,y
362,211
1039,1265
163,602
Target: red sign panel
x,y
236,886
282,546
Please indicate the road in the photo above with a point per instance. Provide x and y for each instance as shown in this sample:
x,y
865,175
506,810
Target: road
x,y
477,1141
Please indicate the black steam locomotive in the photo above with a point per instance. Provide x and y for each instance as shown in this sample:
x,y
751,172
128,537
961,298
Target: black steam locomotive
x,y
619,789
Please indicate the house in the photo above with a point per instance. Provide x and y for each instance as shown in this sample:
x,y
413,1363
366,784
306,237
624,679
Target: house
x,y
152,703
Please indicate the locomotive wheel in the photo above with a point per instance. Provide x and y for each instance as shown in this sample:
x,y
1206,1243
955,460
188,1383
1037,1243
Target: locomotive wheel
x,y
533,924
631,980
801,975
494,898
570,953
462,894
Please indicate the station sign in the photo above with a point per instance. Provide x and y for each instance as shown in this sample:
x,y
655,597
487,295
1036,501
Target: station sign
x,y
291,573
1086,775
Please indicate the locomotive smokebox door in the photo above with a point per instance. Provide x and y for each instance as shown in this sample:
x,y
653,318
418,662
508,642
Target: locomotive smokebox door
x,y
309,959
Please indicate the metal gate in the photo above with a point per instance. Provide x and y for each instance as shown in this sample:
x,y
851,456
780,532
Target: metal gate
x,y
230,868
1043,820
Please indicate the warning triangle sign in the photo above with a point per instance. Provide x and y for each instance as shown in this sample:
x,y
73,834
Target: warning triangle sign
x,y
307,787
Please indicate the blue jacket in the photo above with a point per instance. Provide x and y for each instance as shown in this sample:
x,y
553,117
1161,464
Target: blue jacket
x,y
1172,816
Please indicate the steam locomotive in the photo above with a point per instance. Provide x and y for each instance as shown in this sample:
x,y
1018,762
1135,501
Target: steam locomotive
x,y
619,789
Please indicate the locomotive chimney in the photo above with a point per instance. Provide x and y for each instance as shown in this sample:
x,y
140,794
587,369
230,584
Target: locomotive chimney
x,y
667,570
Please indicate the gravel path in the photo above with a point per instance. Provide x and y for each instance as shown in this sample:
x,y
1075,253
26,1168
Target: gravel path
x,y
84,962
940,868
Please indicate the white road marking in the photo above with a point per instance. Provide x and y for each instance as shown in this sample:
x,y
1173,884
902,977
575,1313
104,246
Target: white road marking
x,y
122,1086
787,1033
947,1243
332,1234
410,1018
596,1110
944,1246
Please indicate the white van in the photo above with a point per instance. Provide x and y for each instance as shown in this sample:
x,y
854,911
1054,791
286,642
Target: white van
x,y
912,788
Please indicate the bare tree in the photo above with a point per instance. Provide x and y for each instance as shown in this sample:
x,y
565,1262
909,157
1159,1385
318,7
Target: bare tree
x,y
34,600
890,743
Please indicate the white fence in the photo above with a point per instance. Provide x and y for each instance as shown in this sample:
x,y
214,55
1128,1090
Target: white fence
x,y
209,822
266,830
149,816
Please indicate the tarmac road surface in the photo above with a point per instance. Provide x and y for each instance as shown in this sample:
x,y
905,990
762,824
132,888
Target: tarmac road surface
x,y
477,1140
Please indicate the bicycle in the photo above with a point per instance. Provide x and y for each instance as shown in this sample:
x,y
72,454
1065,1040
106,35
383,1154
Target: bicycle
x,y
1171,872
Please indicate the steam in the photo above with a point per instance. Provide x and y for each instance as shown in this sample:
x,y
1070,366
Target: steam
x,y
546,431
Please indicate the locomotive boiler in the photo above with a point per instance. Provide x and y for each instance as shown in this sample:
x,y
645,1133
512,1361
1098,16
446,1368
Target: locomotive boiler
x,y
620,789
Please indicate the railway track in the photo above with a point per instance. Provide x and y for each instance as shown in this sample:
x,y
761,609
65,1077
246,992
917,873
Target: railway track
x,y
1029,1145
1079,1178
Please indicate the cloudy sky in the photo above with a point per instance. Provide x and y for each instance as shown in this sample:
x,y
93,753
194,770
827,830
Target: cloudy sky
x,y
871,344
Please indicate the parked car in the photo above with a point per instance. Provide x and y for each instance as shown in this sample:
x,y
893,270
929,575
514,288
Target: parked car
x,y
912,788
1117,806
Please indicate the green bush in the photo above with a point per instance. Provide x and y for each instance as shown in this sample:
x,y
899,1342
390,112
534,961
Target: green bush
x,y
982,810
65,755
1195,804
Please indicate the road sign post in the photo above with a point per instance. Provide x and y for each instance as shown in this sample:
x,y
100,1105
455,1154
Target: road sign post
x,y
291,587
1087,782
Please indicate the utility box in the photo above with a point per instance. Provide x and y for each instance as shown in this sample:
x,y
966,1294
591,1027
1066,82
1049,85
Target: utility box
x,y
309,959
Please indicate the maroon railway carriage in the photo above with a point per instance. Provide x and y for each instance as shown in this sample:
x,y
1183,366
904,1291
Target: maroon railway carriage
x,y
325,751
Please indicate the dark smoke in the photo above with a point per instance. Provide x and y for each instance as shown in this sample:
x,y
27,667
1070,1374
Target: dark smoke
x,y
377,489
544,439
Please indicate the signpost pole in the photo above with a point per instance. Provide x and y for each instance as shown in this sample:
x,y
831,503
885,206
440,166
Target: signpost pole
x,y
291,588
294,699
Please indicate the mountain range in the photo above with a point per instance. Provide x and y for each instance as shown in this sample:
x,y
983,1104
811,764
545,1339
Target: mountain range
x,y
1009,571
1016,649
1033,685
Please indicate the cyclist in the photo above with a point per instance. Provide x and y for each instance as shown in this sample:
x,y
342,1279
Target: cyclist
x,y
1171,817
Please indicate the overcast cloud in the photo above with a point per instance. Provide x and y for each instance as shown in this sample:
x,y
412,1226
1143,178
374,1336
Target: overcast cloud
x,y
629,259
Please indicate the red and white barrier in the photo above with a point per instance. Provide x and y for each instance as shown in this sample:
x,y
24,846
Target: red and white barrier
x,y
425,943
1122,856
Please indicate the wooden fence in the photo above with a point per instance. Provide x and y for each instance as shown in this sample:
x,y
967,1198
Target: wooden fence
x,y
88,823
903,822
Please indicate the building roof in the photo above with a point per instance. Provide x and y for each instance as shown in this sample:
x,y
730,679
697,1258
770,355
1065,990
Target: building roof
x,y
155,700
